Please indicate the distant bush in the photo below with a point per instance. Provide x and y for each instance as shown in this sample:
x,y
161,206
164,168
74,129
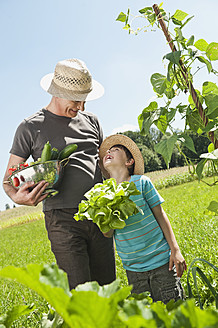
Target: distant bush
x,y
180,178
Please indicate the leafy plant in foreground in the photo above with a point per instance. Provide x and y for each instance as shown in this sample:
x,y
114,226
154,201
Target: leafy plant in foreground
x,y
94,306
108,204
196,270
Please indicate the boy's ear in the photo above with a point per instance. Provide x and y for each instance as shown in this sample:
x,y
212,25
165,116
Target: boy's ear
x,y
130,162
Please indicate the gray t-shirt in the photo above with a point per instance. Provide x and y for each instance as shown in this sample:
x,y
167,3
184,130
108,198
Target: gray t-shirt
x,y
82,171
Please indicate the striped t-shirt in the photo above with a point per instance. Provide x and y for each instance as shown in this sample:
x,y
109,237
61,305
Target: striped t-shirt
x,y
141,244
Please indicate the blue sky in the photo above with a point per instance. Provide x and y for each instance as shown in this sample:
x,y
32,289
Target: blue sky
x,y
35,35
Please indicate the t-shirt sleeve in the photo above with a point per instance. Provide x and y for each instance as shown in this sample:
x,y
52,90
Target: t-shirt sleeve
x,y
101,137
22,143
150,194
95,120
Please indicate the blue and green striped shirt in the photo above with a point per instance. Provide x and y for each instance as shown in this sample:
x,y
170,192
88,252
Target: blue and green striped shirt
x,y
141,244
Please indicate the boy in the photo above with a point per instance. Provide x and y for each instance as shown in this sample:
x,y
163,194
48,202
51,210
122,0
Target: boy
x,y
146,245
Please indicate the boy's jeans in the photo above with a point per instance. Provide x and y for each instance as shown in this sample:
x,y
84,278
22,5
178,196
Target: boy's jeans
x,y
163,284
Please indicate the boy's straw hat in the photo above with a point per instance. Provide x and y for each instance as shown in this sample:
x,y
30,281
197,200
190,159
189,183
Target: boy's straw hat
x,y
119,139
72,81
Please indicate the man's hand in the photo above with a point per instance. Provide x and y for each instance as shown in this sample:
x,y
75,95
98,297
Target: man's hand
x,y
23,196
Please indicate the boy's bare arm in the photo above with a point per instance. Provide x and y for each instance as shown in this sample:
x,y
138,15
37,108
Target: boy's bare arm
x,y
176,256
23,196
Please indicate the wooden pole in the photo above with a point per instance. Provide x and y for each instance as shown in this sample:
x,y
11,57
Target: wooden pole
x,y
185,74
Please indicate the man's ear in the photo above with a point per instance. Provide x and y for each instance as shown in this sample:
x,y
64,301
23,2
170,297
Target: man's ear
x,y
130,162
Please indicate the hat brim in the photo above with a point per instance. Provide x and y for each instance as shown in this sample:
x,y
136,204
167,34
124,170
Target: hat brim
x,y
49,86
119,139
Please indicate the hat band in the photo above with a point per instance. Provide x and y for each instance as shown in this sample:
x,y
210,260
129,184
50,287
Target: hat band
x,y
64,89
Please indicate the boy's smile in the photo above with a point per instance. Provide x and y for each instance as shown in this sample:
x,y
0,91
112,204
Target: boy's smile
x,y
108,157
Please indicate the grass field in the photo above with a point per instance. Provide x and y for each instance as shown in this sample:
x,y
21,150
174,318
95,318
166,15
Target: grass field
x,y
27,243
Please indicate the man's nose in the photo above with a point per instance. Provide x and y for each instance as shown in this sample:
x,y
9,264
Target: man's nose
x,y
81,105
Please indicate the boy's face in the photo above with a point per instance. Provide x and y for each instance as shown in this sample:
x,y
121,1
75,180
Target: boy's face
x,y
115,157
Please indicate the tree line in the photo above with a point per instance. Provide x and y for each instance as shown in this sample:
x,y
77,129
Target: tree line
x,y
154,161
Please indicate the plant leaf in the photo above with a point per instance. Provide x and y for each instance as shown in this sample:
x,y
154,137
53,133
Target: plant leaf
x,y
211,101
213,207
201,45
187,141
179,15
208,88
109,204
159,83
122,17
206,62
211,147
174,57
190,41
146,10
200,167
165,148
161,123
29,276
16,312
147,117
212,51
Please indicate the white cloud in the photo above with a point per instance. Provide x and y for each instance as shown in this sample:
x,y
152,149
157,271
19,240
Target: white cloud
x,y
124,128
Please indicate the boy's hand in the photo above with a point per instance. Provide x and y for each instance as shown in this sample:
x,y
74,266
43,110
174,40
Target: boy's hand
x,y
109,234
178,260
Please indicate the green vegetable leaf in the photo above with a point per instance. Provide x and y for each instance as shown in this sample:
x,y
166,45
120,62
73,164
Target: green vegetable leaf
x,y
108,204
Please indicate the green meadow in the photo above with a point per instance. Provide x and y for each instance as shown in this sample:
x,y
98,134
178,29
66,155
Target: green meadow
x,y
23,240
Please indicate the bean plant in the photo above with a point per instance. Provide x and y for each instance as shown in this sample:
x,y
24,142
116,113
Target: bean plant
x,y
201,112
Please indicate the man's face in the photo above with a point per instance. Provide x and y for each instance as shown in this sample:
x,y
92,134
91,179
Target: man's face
x,y
69,108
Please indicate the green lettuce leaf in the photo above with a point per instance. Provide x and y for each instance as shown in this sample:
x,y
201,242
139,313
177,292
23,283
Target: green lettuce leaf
x,y
108,204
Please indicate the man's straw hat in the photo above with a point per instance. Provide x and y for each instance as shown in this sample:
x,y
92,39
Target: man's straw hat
x,y
72,81
119,139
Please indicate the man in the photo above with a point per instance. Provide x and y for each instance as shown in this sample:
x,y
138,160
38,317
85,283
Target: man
x,y
80,248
